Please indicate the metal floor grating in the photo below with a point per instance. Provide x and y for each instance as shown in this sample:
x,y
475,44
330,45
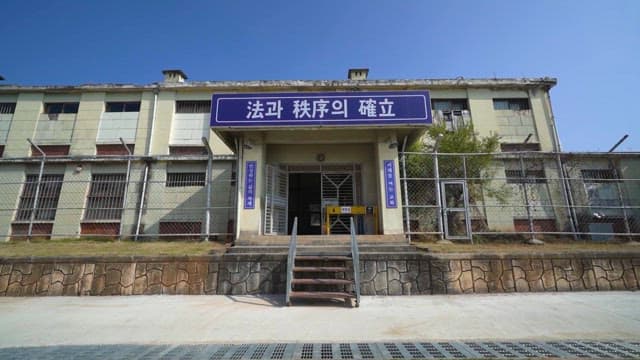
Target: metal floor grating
x,y
583,349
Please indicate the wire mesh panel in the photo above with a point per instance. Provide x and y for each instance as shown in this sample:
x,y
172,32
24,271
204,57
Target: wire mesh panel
x,y
530,194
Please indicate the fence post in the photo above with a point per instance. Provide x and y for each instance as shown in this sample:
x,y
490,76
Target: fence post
x,y
126,188
404,189
207,215
523,175
143,193
565,195
616,177
436,173
37,194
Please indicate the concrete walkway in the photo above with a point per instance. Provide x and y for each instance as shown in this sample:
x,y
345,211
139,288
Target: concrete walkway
x,y
249,319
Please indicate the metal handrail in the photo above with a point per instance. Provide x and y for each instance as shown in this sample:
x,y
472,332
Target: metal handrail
x,y
355,258
291,259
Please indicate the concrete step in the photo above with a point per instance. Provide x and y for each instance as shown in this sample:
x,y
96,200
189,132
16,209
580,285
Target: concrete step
x,y
323,258
320,269
321,295
261,240
321,282
321,249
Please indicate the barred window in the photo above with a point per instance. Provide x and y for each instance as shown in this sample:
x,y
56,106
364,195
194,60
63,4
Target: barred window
x,y
594,175
120,106
48,196
601,188
511,104
7,108
449,104
530,176
106,194
61,108
193,107
183,179
511,147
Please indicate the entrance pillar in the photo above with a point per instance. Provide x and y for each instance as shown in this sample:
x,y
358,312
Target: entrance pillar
x,y
389,183
251,186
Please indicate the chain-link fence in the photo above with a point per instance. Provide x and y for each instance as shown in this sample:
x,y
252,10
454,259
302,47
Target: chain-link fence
x,y
591,196
141,198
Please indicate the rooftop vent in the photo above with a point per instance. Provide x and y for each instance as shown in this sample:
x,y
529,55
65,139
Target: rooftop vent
x,y
174,76
358,74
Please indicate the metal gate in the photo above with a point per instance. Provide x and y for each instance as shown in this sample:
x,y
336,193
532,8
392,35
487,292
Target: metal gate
x,y
455,209
276,200
338,188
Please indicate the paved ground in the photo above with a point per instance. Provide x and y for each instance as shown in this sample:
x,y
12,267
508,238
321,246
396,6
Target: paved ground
x,y
248,319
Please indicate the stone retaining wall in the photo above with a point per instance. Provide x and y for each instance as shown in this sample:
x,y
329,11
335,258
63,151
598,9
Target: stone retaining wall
x,y
381,274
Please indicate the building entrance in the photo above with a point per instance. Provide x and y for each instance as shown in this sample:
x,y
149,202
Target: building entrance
x,y
304,191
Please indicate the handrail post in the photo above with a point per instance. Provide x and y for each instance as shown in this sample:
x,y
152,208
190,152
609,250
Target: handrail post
x,y
355,258
291,260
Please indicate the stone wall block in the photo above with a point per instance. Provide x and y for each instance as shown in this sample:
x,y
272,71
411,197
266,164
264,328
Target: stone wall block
x,y
169,289
253,283
71,289
85,283
169,275
66,269
182,287
182,274
44,282
100,269
575,277
154,276
113,276
588,276
366,288
98,284
380,283
367,271
506,278
74,277
140,285
548,280
395,287
14,289
141,270
400,266
155,289
128,272
5,269
466,281
55,289
33,276
4,283
211,284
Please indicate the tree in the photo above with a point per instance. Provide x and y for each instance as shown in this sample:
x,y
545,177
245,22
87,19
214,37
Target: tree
x,y
475,168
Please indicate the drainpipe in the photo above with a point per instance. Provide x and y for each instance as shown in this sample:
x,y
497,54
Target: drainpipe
x,y
207,214
153,118
126,188
37,194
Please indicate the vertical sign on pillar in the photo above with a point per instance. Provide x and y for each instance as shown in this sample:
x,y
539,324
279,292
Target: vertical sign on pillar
x,y
390,184
250,185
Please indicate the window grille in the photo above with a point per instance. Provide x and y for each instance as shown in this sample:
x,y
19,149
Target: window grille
x,y
193,107
593,175
511,147
449,104
530,176
7,108
186,179
129,106
106,194
511,104
48,196
61,108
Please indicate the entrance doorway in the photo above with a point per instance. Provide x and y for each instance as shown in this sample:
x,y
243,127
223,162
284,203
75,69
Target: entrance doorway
x,y
304,191
305,199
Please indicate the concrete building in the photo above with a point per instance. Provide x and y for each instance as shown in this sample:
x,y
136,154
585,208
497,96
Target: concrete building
x,y
273,170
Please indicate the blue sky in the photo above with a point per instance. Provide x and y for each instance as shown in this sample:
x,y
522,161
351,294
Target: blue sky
x,y
592,47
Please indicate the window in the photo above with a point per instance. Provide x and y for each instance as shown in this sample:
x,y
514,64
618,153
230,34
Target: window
x,y
113,149
1,150
506,147
51,150
449,104
193,107
7,108
183,179
130,106
187,150
106,193
47,197
533,172
61,108
511,104
600,186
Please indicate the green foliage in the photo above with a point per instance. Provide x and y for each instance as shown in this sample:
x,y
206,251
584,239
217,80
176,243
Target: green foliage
x,y
463,140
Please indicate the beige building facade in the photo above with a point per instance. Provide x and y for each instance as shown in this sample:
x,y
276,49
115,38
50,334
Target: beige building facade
x,y
86,132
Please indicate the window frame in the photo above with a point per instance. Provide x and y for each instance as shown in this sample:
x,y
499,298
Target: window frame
x,y
194,179
67,107
511,104
49,195
126,106
195,105
104,202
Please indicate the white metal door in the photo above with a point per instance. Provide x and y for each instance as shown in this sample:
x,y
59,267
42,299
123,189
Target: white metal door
x,y
338,189
276,200
455,209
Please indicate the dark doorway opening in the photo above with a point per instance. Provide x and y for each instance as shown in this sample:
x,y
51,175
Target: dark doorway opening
x,y
304,202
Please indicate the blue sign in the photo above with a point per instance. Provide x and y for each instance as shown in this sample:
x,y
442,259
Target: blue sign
x,y
321,109
250,185
390,184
